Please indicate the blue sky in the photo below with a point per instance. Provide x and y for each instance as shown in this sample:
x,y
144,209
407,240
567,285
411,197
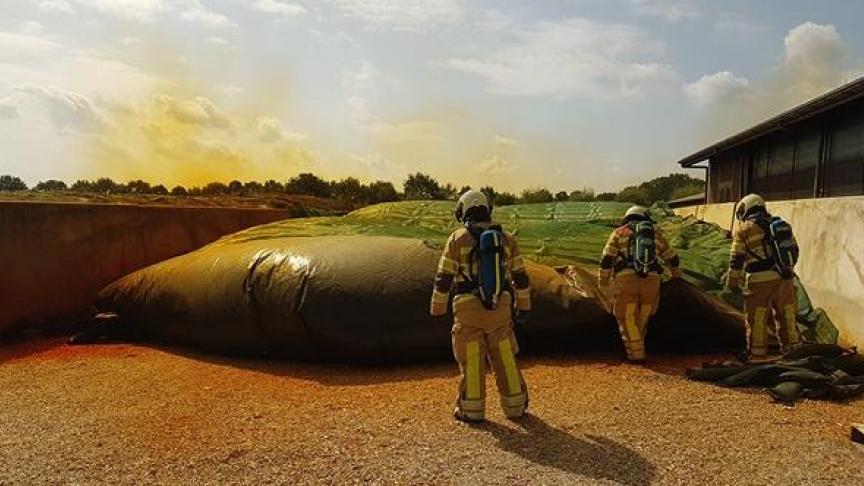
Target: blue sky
x,y
563,94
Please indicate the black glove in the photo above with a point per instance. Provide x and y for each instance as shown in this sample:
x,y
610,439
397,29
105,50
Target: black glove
x,y
521,318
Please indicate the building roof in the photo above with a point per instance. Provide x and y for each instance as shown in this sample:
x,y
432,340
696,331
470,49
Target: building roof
x,y
838,97
687,200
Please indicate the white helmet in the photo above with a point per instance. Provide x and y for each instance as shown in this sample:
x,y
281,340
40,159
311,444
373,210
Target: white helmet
x,y
638,211
746,204
471,199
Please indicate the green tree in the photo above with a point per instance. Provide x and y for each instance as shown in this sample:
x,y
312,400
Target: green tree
x,y
51,185
505,199
380,191
660,189
583,195
12,183
348,190
273,187
490,194
179,191
235,188
214,189
253,187
308,184
423,186
562,196
160,190
139,187
536,195
106,185
606,196
82,185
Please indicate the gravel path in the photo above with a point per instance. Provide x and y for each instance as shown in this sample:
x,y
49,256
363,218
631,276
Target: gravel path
x,y
125,414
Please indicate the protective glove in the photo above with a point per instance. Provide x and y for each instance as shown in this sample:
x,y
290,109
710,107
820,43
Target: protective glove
x,y
437,309
521,318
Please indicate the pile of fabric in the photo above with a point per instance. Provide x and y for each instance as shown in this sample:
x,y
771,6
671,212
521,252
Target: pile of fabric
x,y
817,371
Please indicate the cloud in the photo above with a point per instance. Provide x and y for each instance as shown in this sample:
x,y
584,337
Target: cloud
x,y
279,7
505,141
135,10
270,130
669,10
197,111
721,87
411,15
198,13
573,58
67,110
494,165
56,6
8,109
814,57
408,131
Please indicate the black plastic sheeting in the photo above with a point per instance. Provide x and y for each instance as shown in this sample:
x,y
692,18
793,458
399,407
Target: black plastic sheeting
x,y
366,298
817,371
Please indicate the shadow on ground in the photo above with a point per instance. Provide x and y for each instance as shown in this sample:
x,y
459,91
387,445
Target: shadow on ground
x,y
589,456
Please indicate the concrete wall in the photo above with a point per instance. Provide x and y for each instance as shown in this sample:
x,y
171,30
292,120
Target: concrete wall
x,y
831,235
54,258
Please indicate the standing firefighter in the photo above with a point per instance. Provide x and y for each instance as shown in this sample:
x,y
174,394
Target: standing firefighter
x,y
631,254
484,263
764,249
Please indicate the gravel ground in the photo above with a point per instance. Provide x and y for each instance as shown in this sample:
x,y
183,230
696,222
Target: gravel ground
x,y
127,415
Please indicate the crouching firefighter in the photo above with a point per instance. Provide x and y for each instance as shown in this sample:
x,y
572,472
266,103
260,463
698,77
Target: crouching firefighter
x,y
764,253
484,263
631,257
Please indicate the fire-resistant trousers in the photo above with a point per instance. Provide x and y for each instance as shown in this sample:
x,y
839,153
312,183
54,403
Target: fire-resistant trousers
x,y
481,336
766,300
635,300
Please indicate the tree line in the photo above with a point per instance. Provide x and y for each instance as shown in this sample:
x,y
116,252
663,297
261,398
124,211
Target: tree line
x,y
418,186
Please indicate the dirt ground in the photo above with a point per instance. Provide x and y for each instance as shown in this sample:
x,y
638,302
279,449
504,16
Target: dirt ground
x,y
128,414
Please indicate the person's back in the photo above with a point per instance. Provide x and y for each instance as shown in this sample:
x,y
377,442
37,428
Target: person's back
x,y
483,323
769,289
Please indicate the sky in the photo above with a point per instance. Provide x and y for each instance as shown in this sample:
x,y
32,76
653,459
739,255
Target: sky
x,y
564,94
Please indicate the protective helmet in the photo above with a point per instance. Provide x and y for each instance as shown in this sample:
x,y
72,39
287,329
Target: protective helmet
x,y
470,200
636,213
747,205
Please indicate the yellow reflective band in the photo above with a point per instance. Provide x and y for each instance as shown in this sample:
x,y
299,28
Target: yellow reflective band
x,y
497,262
630,322
792,329
523,293
644,315
758,332
440,297
472,370
509,360
447,265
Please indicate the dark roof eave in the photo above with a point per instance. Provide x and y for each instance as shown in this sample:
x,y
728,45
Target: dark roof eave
x,y
840,96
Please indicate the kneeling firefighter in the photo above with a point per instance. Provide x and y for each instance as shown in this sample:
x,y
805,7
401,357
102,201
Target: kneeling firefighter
x,y
631,256
484,263
764,250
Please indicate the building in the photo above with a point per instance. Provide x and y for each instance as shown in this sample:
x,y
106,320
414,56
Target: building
x,y
813,150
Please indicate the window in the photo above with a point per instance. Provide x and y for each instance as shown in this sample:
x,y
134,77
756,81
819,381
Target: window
x,y
844,170
807,149
758,171
778,184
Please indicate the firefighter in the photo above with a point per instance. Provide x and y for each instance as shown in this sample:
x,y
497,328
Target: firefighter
x,y
763,254
483,316
630,258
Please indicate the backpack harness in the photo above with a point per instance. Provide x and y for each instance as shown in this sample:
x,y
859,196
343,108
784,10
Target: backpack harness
x,y
779,247
642,251
491,278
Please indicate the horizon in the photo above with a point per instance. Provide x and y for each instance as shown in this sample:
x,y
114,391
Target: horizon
x,y
517,95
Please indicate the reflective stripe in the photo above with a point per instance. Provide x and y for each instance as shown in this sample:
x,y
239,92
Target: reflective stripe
x,y
523,293
509,360
644,315
758,332
791,329
630,323
497,262
440,297
472,370
448,265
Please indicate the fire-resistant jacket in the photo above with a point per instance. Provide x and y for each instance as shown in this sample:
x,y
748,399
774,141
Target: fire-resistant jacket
x,y
458,264
749,254
617,257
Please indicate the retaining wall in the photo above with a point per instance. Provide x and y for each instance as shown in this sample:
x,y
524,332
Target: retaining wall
x,y
55,258
830,232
